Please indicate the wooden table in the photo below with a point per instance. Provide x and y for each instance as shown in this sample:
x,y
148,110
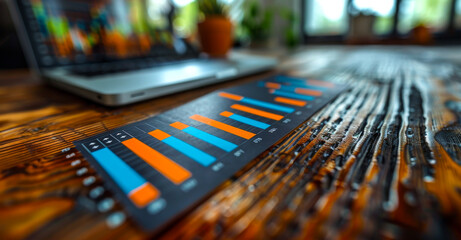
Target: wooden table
x,y
381,161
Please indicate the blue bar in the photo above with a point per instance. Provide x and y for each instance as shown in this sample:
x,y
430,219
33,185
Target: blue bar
x,y
211,139
125,176
292,87
293,95
297,82
304,85
196,154
249,121
261,84
267,105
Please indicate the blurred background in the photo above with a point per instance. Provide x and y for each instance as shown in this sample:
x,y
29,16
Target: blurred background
x,y
287,24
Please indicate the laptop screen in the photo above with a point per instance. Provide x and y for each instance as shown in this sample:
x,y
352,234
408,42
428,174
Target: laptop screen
x,y
66,32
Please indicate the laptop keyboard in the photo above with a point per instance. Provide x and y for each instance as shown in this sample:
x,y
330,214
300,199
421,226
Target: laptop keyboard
x,y
96,69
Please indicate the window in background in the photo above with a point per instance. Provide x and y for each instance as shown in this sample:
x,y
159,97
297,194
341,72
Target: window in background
x,y
156,10
326,17
432,13
383,10
458,15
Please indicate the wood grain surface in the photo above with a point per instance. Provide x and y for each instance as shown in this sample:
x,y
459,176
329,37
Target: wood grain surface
x,y
381,161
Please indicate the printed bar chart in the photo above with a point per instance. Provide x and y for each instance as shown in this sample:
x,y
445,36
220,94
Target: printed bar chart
x,y
257,102
290,101
308,92
300,90
222,126
245,120
132,184
291,95
161,166
257,112
211,139
185,148
290,88
173,171
304,84
315,84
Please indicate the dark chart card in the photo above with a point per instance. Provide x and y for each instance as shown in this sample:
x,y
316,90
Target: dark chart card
x,y
161,166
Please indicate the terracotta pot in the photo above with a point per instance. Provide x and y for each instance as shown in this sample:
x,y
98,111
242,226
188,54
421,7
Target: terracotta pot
x,y
421,35
215,35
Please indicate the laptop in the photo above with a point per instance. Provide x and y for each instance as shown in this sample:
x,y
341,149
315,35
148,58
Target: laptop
x,y
117,52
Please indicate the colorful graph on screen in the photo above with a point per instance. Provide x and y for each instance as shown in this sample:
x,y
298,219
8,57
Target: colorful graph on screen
x,y
89,28
161,166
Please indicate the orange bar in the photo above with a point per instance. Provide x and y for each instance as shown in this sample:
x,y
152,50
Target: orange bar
x,y
230,96
219,125
171,170
272,85
320,83
179,125
144,194
308,92
257,112
290,101
226,114
159,134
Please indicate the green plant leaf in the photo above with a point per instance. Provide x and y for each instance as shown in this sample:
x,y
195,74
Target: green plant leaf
x,y
212,8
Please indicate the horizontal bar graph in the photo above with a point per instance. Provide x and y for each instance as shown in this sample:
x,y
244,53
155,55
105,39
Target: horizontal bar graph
x,y
308,92
304,91
163,165
185,148
310,82
245,120
134,185
290,101
144,194
204,136
304,85
291,95
222,126
257,112
256,102
171,170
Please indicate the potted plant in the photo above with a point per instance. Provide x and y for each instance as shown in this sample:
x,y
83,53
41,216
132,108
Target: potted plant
x,y
256,24
291,33
215,30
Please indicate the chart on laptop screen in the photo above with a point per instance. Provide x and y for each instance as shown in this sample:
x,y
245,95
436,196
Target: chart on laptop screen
x,y
161,166
86,30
